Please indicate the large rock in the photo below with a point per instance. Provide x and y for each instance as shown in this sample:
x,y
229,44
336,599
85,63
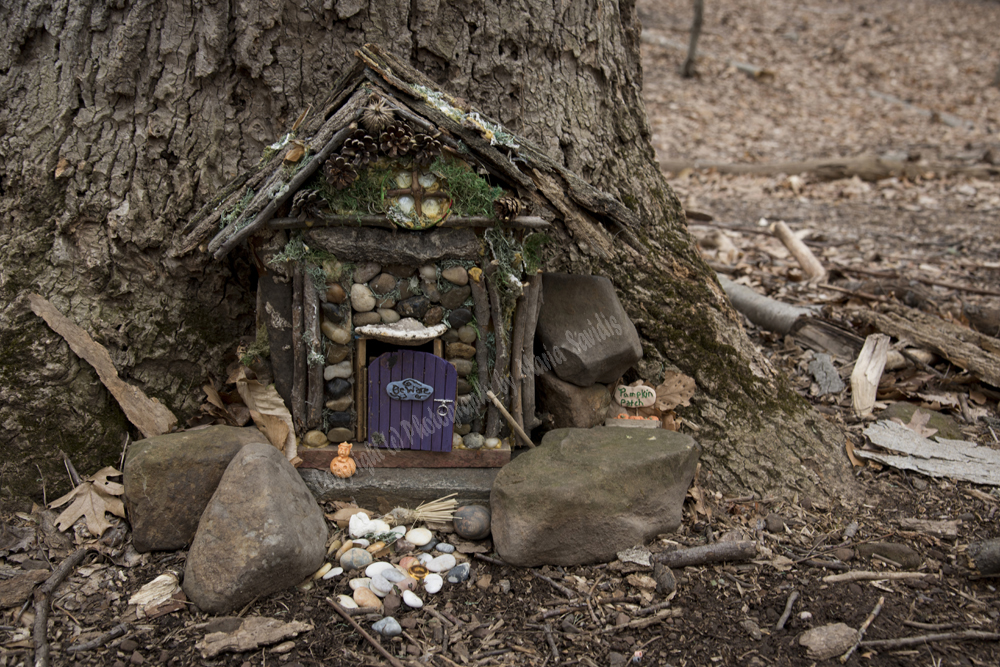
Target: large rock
x,y
585,329
585,494
261,533
572,406
169,480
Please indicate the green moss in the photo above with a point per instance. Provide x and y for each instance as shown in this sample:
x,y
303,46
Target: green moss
x,y
533,251
365,195
472,194
260,349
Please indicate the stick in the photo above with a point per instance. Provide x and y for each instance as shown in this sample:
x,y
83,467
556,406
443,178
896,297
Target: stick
x,y
314,372
559,587
500,364
710,553
517,357
534,296
863,629
510,420
645,611
780,625
644,622
433,612
489,559
927,639
482,307
371,640
765,312
227,239
113,633
298,350
865,575
803,255
687,69
552,642
43,595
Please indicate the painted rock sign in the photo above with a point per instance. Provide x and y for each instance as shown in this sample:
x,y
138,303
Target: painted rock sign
x,y
635,397
409,389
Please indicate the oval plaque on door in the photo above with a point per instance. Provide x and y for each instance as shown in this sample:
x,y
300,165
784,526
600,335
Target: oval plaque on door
x,y
409,389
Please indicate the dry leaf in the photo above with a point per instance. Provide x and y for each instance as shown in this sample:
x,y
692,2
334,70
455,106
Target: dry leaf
x,y
95,496
295,153
676,390
918,423
273,427
266,401
849,446
699,501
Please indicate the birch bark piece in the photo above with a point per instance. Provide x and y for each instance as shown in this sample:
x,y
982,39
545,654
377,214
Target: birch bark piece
x,y
867,373
151,417
803,255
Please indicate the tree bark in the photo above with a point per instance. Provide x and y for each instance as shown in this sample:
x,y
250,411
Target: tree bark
x,y
118,121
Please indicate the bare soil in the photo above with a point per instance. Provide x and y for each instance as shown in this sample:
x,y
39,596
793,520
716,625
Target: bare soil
x,y
825,58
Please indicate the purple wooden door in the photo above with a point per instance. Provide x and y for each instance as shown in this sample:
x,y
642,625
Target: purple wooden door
x,y
411,401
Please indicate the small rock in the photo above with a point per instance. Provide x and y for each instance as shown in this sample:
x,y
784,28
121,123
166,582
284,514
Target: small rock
x,y
851,530
642,581
444,547
337,353
364,319
383,283
441,563
473,441
456,274
337,334
463,366
433,583
449,336
340,434
388,315
665,581
472,522
366,271
128,645
431,291
467,335
505,586
347,602
455,298
340,419
843,553
365,597
342,549
341,370
427,548
362,299
774,523
315,439
355,559
463,430
375,548
752,629
828,641
919,484
460,351
335,293
359,582
419,536
377,568
390,603
283,647
340,404
428,272
334,572
332,312
388,627
459,318
905,556
459,573
403,546
400,270
379,586
433,316
415,307
492,443
411,600
456,440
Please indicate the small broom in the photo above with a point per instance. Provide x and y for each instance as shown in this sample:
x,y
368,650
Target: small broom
x,y
435,511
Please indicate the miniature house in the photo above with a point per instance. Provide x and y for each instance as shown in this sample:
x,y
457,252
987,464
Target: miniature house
x,y
398,251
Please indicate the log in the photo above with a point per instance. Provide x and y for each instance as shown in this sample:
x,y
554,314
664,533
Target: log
x,y
299,372
803,255
717,552
482,307
500,364
867,373
313,340
534,295
765,312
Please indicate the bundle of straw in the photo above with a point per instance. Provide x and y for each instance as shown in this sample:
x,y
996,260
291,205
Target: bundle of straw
x,y
436,511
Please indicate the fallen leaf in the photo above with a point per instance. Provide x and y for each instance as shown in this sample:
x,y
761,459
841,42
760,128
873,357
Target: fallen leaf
x,y
857,463
676,390
272,427
266,401
918,423
95,496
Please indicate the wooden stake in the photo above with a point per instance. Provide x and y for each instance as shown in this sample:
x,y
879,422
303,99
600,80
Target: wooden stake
x,y
314,346
298,351
510,420
803,255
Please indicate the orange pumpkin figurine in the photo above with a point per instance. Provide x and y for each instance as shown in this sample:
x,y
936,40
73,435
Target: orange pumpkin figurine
x,y
342,464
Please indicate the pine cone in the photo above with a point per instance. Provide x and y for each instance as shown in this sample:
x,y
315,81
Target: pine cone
x,y
425,149
360,148
396,141
377,115
507,208
302,199
339,174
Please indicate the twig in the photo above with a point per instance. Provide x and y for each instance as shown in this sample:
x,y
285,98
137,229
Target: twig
x,y
559,587
434,612
43,595
927,639
552,642
644,622
865,575
780,625
649,610
558,611
863,629
510,420
829,564
489,559
929,626
113,633
371,640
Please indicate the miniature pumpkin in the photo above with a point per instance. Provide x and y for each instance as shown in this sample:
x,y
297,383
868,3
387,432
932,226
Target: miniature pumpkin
x,y
342,464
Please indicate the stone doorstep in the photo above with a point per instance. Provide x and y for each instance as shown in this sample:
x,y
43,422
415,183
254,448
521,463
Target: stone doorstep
x,y
402,487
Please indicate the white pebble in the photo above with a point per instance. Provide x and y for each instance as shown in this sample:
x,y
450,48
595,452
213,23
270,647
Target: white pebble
x,y
424,559
361,525
806,616
335,572
361,542
347,602
377,568
360,582
433,583
400,530
379,586
392,575
492,443
411,600
419,536
442,563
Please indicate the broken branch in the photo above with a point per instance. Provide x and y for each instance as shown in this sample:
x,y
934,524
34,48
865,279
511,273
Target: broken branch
x,y
710,553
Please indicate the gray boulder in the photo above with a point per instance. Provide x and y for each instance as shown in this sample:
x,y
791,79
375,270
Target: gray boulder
x,y
169,480
585,330
261,533
572,406
585,494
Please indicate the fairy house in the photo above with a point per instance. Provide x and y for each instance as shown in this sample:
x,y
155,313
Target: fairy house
x,y
399,250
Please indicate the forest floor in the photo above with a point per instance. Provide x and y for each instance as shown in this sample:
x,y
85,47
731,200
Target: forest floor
x,y
898,239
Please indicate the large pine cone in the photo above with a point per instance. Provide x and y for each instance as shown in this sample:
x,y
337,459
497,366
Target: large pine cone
x,y
301,200
360,148
396,141
426,149
340,174
507,208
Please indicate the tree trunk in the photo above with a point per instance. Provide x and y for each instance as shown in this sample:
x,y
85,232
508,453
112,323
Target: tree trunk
x,y
117,125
